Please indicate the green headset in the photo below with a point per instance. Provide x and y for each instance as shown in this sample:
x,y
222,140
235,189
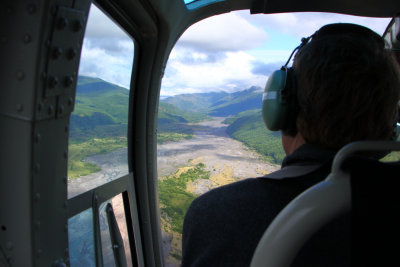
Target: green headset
x,y
279,100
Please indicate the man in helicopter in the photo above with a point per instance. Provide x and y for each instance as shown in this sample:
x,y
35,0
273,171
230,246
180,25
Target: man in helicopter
x,y
344,86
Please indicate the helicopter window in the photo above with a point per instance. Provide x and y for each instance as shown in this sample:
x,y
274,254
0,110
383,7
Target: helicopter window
x,y
113,235
98,127
210,129
80,238
98,159
193,4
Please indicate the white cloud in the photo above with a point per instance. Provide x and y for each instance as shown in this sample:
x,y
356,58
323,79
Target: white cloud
x,y
231,73
219,53
228,32
107,51
114,67
306,23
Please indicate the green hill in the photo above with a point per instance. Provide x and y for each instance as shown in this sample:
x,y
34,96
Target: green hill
x,y
248,127
96,95
101,110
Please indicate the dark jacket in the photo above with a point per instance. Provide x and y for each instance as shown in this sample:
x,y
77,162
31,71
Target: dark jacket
x,y
223,226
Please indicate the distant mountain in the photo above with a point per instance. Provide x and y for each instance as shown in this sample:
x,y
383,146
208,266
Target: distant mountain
x,y
171,113
200,102
238,102
219,104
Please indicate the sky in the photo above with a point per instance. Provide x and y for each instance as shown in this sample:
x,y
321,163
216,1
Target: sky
x,y
229,52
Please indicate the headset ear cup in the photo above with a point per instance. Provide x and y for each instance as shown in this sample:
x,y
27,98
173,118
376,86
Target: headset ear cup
x,y
274,107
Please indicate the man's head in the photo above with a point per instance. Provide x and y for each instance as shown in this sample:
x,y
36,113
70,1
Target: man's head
x,y
348,87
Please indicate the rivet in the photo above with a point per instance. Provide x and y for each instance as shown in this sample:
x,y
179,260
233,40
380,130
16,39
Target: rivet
x,y
65,204
72,53
37,138
47,43
31,8
65,180
70,101
50,109
36,168
37,197
66,154
19,107
58,263
78,25
52,81
40,106
27,39
62,23
66,227
37,224
20,75
68,81
38,252
61,109
57,52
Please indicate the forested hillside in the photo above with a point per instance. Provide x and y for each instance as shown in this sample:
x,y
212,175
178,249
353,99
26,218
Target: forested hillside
x,y
101,110
248,127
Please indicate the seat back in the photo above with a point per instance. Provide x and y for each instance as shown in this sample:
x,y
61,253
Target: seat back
x,y
319,205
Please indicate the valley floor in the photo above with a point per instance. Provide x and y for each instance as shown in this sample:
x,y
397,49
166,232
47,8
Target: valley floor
x,y
222,155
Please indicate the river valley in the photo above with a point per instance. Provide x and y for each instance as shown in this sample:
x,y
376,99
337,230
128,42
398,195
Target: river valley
x,y
226,159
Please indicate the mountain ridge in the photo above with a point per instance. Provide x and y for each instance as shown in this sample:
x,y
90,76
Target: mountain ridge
x,y
218,104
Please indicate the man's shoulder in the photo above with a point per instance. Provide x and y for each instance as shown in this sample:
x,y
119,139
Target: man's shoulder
x,y
237,198
244,189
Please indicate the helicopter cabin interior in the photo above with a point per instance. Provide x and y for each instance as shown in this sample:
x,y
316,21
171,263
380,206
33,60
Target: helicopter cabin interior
x,y
40,49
